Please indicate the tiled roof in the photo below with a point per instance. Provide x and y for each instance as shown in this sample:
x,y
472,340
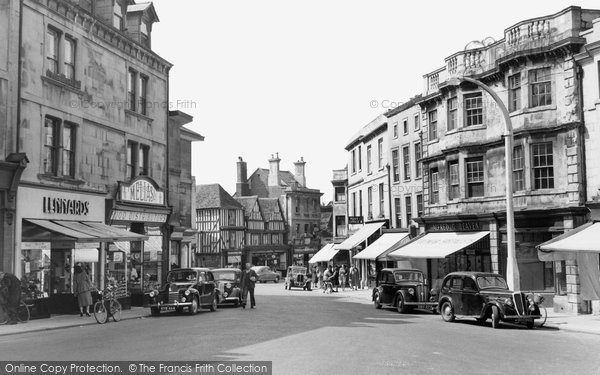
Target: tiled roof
x,y
247,202
214,196
286,178
269,207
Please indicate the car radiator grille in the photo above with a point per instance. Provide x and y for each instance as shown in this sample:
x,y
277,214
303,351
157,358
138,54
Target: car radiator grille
x,y
520,303
173,296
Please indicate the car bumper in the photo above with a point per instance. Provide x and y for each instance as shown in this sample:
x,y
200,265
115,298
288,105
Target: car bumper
x,y
522,317
230,299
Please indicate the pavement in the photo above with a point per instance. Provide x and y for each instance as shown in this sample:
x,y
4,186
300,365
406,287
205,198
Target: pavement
x,y
589,324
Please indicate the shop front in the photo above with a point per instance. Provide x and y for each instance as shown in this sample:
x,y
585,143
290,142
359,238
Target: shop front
x,y
140,207
376,253
58,230
275,259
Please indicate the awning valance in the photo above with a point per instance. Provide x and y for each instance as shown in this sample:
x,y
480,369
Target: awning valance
x,y
384,244
583,238
359,237
325,254
437,245
82,231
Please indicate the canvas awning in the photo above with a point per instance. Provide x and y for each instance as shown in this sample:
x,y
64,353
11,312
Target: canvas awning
x,y
82,231
325,254
583,238
437,245
359,237
384,244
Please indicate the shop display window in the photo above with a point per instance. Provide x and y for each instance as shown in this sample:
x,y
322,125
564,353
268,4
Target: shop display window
x,y
35,273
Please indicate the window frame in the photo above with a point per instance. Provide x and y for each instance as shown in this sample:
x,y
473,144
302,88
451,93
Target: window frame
x,y
51,167
143,166
398,210
417,119
143,81
518,165
395,164
370,202
405,126
452,113
406,162
453,180
369,161
54,60
131,160
380,153
473,113
359,158
419,198
381,192
353,161
418,157
408,209
434,186
432,123
514,92
395,130
536,81
69,66
549,167
132,89
68,153
478,173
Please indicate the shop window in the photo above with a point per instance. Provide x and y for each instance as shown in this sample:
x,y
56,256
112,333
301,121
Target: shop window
x,y
475,177
473,109
518,169
543,165
540,87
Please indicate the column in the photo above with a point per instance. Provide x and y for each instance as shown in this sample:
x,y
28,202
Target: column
x,y
494,236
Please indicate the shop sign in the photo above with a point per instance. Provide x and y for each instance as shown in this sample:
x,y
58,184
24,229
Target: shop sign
x,y
466,226
117,256
140,217
234,259
35,245
353,220
141,191
86,255
65,206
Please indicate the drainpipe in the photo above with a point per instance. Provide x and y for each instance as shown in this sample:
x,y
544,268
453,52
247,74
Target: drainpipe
x,y
167,241
579,75
392,225
19,66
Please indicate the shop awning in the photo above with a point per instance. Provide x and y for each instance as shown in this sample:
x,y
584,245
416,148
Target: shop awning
x,y
81,231
583,238
384,244
360,236
437,245
325,254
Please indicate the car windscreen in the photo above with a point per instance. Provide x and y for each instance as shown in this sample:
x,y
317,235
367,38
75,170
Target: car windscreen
x,y
182,275
408,276
488,282
226,275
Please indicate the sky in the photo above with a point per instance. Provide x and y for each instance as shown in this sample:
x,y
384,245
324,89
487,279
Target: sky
x,y
300,78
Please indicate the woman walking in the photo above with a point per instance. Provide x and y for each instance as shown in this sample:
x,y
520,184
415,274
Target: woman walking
x,y
82,286
342,277
354,278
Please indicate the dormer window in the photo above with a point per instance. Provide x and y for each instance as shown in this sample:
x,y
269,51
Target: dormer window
x,y
117,16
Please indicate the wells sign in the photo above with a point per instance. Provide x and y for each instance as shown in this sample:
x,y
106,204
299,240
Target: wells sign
x,y
142,190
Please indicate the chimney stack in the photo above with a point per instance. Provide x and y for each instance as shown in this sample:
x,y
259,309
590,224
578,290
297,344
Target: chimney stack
x,y
299,172
274,170
242,188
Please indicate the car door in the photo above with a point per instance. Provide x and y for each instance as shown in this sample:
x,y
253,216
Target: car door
x,y
202,287
470,297
455,291
388,288
209,287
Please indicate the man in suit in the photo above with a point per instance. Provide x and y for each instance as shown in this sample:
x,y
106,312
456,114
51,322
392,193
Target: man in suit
x,y
249,278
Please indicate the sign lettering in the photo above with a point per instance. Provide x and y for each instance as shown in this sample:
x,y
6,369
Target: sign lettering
x,y
64,206
139,217
467,226
142,191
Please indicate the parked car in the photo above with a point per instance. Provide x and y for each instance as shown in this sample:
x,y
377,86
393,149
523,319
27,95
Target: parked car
x,y
185,288
486,295
228,283
297,277
265,274
403,289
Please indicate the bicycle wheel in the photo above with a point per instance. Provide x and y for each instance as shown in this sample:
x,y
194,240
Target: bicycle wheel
x,y
544,317
100,312
115,310
23,313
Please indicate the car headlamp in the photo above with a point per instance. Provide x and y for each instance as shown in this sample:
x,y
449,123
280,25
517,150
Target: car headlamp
x,y
187,292
508,301
183,299
228,285
411,291
151,294
225,294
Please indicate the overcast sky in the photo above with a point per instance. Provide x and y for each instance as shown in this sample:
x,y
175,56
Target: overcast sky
x,y
300,77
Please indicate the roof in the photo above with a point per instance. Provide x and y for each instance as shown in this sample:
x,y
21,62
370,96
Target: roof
x,y
372,127
190,134
247,203
286,178
142,7
269,207
403,107
214,196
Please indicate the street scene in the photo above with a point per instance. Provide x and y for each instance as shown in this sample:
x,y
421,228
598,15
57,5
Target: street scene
x,y
272,187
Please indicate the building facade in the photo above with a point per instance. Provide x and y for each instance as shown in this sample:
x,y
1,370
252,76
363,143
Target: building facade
x,y
86,116
533,70
339,218
301,205
221,227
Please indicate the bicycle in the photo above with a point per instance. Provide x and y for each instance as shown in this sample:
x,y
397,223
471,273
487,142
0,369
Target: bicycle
x,y
107,306
23,314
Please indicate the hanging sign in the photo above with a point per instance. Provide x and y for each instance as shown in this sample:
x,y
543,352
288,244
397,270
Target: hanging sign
x,y
141,190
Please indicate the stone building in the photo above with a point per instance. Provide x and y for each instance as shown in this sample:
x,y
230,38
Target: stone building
x,y
300,204
181,194
534,72
89,114
339,181
405,148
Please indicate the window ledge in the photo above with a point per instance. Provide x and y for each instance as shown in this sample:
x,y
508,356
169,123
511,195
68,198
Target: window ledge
x,y
453,131
138,115
63,179
472,127
62,82
527,110
433,141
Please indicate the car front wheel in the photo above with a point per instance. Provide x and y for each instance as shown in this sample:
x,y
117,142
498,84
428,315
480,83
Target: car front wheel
x,y
447,312
377,301
400,305
213,305
276,280
193,309
495,317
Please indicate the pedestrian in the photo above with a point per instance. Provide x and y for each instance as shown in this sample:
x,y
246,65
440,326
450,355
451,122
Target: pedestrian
x,y
82,287
10,295
335,281
314,277
320,277
354,278
327,286
342,277
249,278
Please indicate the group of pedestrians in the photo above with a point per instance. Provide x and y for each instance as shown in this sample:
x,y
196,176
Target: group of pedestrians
x,y
336,277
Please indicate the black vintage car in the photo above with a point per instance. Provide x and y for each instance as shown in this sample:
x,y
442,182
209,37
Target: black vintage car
x,y
228,283
485,295
403,289
186,288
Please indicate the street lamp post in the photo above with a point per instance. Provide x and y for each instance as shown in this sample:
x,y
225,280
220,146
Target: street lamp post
x,y
512,270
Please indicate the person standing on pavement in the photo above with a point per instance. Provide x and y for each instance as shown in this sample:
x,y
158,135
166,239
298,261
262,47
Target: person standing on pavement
x,y
342,277
249,278
10,295
354,278
82,287
335,278
327,282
